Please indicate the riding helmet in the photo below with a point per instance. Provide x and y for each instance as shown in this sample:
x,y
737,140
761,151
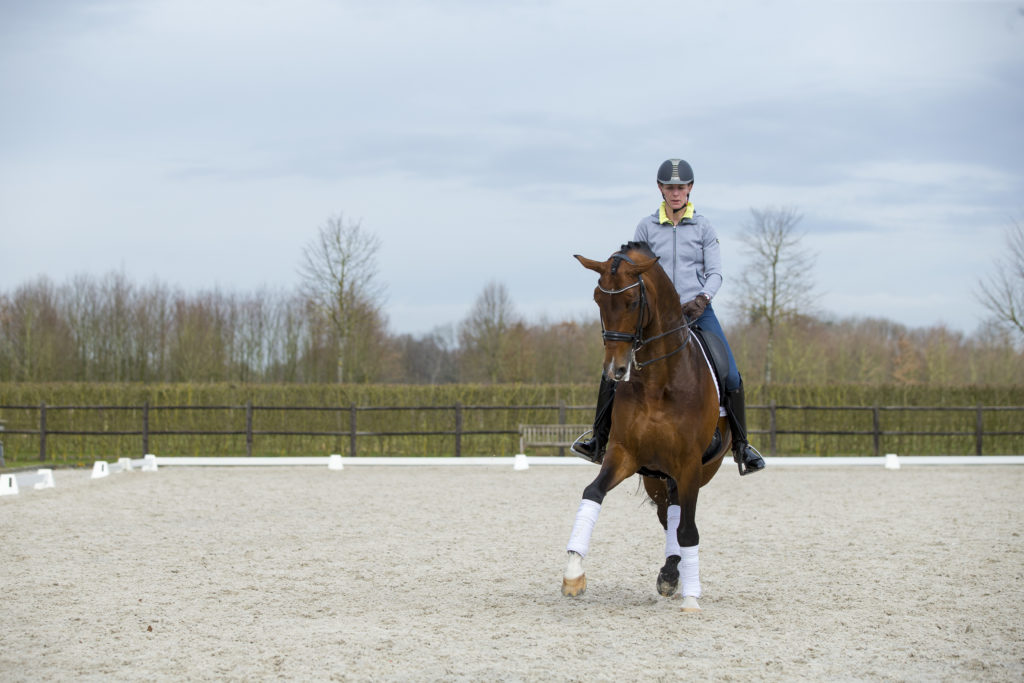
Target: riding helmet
x,y
675,172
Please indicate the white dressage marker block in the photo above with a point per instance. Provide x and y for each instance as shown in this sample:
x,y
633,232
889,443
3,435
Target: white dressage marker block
x,y
520,462
8,485
892,461
334,463
100,469
45,479
124,465
149,463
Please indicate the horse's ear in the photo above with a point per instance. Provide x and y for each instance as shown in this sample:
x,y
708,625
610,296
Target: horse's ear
x,y
596,266
645,265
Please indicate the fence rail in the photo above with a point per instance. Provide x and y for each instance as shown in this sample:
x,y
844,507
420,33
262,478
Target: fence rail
x,y
780,421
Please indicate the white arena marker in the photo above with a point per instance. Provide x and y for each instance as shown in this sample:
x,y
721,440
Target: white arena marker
x,y
149,464
334,462
892,461
520,462
100,469
45,479
125,464
8,485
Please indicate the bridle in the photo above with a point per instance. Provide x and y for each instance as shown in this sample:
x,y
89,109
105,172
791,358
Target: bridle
x,y
637,338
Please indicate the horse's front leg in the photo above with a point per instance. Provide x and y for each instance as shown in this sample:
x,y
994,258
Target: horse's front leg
x,y
574,581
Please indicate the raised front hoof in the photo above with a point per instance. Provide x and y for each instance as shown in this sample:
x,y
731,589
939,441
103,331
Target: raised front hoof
x,y
572,588
690,604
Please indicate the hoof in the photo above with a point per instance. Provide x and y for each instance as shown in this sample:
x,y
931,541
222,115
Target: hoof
x,y
690,604
668,577
666,587
574,587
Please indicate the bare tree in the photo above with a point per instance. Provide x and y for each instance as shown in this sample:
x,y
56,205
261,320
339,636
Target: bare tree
x,y
338,271
777,282
489,335
1002,292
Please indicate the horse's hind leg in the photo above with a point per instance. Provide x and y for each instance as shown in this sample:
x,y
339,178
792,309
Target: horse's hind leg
x,y
574,581
668,577
689,543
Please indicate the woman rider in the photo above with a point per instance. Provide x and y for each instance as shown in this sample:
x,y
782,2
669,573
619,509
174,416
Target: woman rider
x,y
688,248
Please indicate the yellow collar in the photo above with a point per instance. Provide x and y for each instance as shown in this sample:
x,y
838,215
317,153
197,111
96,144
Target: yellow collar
x,y
663,213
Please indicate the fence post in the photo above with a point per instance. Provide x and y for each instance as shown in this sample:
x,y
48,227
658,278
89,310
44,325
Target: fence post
x,y
42,432
561,421
978,431
248,428
458,430
876,420
145,428
773,427
352,431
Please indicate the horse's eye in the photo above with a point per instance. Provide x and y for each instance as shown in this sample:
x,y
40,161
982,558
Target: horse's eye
x,y
633,304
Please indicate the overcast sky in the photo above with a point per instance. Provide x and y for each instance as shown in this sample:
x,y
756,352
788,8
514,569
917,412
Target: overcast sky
x,y
202,143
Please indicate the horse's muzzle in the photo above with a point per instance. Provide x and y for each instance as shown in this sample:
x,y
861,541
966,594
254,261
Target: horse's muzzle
x,y
618,372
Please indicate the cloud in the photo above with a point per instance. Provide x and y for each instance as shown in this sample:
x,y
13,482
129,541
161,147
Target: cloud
x,y
205,142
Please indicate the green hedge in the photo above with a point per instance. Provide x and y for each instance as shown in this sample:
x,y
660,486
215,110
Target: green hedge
x,y
578,399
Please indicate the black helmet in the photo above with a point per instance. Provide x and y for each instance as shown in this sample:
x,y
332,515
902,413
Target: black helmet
x,y
675,172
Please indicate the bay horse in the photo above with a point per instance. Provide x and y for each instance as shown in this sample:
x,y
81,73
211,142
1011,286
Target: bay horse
x,y
664,417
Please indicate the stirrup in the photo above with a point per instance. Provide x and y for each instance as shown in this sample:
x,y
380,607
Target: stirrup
x,y
742,466
596,458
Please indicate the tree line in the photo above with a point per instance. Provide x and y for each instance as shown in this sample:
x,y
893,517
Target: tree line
x,y
108,329
332,329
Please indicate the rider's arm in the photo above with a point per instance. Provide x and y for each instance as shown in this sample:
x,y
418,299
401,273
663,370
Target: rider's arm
x,y
712,261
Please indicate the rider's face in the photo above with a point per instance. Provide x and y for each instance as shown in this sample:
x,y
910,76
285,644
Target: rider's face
x,y
676,196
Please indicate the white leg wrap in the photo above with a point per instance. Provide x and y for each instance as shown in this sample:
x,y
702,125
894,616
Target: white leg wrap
x,y
586,518
672,531
689,572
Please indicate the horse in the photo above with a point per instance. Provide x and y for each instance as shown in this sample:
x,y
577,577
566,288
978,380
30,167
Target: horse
x,y
664,417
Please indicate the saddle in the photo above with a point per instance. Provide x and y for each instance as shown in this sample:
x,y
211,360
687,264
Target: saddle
x,y
714,348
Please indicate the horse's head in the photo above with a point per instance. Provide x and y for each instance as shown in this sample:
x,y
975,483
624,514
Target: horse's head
x,y
623,295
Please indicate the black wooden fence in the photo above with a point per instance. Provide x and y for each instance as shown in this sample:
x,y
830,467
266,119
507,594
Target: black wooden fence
x,y
776,416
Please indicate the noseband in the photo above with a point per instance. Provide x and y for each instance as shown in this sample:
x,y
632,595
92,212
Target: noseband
x,y
637,338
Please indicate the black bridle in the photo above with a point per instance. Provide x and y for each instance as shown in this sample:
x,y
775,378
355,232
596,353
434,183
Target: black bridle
x,y
637,338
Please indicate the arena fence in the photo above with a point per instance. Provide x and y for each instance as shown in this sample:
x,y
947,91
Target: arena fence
x,y
356,431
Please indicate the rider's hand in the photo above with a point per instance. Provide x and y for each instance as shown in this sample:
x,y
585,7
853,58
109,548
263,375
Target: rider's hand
x,y
693,309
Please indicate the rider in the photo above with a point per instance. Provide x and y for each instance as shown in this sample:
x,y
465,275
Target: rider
x,y
689,251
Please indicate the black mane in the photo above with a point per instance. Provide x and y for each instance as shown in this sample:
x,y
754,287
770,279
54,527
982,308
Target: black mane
x,y
642,247
620,255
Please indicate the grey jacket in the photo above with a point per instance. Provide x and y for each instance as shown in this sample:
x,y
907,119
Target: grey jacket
x,y
689,252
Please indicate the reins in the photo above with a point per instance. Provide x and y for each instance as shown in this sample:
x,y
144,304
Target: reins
x,y
637,338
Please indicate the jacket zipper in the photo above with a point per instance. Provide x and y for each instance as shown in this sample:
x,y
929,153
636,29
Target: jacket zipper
x,y
674,261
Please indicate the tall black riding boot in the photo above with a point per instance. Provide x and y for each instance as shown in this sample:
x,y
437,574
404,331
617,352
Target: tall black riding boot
x,y
592,449
746,456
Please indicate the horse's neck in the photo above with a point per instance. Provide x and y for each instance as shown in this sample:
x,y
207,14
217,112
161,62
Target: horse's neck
x,y
680,353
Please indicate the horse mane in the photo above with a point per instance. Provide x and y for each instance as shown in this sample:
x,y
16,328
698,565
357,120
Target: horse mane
x,y
621,255
657,272
643,247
